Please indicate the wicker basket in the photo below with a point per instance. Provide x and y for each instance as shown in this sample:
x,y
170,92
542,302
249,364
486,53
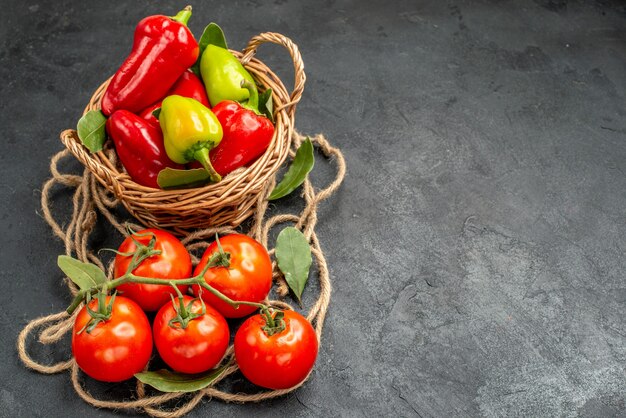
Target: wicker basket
x,y
228,202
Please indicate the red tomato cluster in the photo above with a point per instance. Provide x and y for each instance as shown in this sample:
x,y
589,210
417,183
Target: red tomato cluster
x,y
116,348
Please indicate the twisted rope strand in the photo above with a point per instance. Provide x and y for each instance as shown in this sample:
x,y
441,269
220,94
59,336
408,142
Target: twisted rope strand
x,y
25,357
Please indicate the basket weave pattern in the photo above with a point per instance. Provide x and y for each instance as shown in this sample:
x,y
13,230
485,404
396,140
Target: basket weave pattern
x,y
228,202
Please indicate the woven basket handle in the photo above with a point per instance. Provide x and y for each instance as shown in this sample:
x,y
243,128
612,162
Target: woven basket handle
x,y
298,65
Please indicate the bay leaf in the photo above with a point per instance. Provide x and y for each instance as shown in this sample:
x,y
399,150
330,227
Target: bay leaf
x,y
300,167
172,178
293,255
266,104
85,275
91,130
168,381
212,35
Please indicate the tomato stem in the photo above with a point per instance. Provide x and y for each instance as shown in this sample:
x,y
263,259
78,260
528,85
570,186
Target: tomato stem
x,y
234,303
273,324
184,314
142,252
221,258
102,297
103,312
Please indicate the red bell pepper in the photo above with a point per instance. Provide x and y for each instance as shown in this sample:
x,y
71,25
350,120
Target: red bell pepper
x,y
188,85
163,49
139,146
246,134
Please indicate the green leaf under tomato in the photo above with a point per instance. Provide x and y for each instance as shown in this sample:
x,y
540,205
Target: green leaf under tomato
x,y
293,255
300,167
172,178
266,104
85,275
91,130
212,35
168,381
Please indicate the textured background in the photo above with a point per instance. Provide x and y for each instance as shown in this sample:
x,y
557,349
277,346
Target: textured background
x,y
477,245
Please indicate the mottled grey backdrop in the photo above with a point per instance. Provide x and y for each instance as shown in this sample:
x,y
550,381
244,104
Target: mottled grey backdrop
x,y
477,245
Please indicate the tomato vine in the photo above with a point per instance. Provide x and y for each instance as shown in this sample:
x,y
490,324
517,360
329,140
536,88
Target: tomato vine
x,y
142,252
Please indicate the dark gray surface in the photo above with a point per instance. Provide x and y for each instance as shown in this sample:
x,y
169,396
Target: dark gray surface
x,y
477,245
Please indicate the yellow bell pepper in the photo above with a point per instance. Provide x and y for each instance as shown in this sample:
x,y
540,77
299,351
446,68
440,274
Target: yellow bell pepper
x,y
190,131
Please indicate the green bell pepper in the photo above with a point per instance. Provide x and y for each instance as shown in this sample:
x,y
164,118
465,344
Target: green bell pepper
x,y
222,74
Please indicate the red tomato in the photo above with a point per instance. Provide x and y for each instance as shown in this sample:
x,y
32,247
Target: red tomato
x,y
174,262
198,347
279,361
248,278
115,349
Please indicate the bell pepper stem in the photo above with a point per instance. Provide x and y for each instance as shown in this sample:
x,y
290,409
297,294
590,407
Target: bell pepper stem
x,y
253,100
202,156
183,16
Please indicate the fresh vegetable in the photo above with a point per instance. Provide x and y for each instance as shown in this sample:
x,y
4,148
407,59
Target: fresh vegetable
x,y
190,131
190,336
139,146
278,355
246,274
183,329
163,49
167,258
92,280
113,349
246,133
223,74
188,85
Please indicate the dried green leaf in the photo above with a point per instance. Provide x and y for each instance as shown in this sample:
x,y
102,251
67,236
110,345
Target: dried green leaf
x,y
91,130
212,35
293,255
172,178
266,104
85,275
301,166
168,381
